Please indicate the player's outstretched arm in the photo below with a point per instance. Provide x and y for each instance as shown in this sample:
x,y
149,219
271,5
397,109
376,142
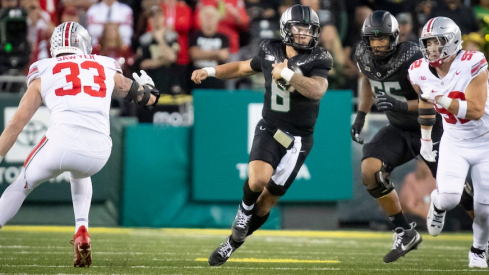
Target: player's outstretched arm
x,y
225,71
28,105
141,90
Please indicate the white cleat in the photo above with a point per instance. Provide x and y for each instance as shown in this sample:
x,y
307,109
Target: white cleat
x,y
477,259
435,221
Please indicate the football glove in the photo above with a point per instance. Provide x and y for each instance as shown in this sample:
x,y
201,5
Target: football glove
x,y
357,127
388,103
426,150
143,79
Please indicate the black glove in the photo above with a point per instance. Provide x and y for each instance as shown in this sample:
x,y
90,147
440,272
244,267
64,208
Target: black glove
x,y
388,103
357,126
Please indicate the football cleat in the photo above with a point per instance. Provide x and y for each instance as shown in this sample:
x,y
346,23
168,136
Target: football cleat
x,y
82,248
241,225
405,241
435,221
477,258
223,252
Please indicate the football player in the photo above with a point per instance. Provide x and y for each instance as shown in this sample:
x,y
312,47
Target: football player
x,y
295,72
454,83
383,63
76,87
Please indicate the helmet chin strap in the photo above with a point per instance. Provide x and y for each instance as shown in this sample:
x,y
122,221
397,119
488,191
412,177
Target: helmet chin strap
x,y
437,63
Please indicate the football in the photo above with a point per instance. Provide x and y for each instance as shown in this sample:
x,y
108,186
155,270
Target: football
x,y
284,85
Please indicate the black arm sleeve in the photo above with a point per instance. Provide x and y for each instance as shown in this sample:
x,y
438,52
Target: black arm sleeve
x,y
256,63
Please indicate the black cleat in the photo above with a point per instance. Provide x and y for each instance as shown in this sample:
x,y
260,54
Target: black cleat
x,y
223,252
241,225
406,240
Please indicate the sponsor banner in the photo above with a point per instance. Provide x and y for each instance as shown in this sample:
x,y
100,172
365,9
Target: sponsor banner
x,y
223,133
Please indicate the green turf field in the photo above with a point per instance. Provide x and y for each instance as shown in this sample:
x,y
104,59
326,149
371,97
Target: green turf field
x,y
47,250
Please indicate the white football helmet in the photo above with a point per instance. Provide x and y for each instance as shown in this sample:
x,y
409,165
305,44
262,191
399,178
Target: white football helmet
x,y
448,35
70,38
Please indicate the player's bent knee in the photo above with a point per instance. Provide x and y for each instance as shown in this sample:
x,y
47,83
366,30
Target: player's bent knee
x,y
447,201
382,187
257,184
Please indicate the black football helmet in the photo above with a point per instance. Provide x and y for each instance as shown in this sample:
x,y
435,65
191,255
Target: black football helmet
x,y
380,23
300,16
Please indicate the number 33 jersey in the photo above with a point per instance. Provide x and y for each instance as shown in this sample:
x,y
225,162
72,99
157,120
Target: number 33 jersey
x,y
464,68
77,90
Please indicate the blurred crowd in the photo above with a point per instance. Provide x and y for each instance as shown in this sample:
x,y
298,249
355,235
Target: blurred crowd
x,y
170,38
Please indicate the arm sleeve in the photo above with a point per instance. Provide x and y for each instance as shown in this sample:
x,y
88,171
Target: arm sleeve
x,y
256,63
322,65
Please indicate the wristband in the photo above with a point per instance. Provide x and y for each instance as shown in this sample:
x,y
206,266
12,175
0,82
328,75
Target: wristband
x,y
462,109
287,74
425,134
1,158
444,101
211,71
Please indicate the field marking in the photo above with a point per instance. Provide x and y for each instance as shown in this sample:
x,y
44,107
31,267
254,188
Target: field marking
x,y
234,268
255,260
198,232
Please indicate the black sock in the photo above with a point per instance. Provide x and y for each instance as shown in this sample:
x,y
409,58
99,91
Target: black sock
x,y
438,210
476,250
399,220
249,197
234,243
256,222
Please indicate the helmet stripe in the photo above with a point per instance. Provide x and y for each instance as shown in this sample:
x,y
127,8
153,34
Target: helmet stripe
x,y
307,14
66,34
430,24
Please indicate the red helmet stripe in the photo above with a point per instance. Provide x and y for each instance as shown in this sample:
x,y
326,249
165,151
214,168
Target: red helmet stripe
x,y
430,24
67,34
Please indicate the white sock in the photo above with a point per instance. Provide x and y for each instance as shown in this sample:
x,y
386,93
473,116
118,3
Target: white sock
x,y
12,199
81,194
481,225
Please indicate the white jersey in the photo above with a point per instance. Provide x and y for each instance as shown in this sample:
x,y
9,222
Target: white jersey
x,y
77,90
465,66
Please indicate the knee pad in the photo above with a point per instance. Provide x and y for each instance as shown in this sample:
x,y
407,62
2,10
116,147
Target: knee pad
x,y
383,184
467,200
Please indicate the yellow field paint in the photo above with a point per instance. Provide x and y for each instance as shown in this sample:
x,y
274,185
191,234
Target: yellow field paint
x,y
255,260
263,233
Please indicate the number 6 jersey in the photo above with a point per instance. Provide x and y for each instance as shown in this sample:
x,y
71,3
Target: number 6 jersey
x,y
77,90
463,69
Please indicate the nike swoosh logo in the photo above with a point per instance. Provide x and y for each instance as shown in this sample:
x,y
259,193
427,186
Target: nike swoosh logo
x,y
457,73
301,63
411,242
262,128
302,151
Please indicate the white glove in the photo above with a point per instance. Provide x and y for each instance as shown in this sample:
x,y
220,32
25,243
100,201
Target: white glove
x,y
430,95
426,150
143,79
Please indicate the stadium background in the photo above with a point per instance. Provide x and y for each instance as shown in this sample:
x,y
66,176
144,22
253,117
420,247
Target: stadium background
x,y
193,175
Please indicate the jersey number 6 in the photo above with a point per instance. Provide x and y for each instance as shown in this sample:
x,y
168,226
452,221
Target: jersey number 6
x,y
73,77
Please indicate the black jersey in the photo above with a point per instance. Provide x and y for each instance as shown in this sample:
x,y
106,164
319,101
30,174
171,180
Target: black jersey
x,y
290,111
390,76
